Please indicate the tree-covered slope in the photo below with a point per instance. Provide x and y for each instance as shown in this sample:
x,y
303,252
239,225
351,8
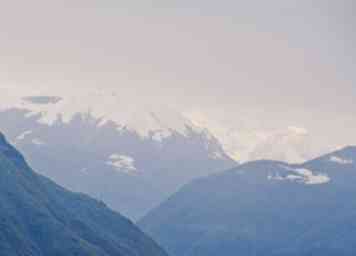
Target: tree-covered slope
x,y
38,217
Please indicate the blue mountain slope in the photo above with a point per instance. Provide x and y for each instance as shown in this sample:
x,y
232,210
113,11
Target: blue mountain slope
x,y
131,173
38,217
264,208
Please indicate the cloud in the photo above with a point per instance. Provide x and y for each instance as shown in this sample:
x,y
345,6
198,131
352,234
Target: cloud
x,y
205,57
249,71
42,99
290,145
247,134
298,130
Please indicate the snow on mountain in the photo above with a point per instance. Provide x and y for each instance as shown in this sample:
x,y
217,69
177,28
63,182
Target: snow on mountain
x,y
106,105
309,207
301,175
122,163
152,120
340,160
23,135
247,142
129,154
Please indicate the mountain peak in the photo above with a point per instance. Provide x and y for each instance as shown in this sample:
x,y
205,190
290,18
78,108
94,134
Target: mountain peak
x,y
139,117
350,148
307,207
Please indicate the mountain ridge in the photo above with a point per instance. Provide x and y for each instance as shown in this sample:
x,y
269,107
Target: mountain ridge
x,y
263,208
38,217
138,172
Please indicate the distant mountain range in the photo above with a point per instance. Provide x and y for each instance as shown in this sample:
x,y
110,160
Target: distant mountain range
x,y
38,217
263,208
133,164
241,134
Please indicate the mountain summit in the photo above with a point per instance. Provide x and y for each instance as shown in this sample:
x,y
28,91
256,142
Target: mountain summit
x,y
133,163
38,217
264,208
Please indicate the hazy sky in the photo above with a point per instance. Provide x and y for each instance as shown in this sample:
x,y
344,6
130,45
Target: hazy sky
x,y
251,68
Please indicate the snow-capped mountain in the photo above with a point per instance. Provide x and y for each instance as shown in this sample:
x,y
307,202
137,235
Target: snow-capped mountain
x,y
106,105
131,157
245,138
242,135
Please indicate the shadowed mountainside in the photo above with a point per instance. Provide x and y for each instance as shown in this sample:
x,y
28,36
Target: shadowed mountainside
x,y
264,208
38,217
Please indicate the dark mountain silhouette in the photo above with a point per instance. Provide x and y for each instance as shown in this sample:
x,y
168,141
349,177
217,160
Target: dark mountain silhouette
x,y
264,208
38,217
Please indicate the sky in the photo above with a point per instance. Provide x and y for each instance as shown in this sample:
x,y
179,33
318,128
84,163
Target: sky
x,y
263,76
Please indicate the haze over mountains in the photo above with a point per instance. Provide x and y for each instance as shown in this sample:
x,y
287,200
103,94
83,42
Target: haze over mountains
x,y
244,134
201,121
131,154
263,208
132,161
38,217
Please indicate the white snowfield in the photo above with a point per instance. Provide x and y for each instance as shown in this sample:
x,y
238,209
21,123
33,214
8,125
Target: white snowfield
x,y
108,106
302,175
340,160
122,163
